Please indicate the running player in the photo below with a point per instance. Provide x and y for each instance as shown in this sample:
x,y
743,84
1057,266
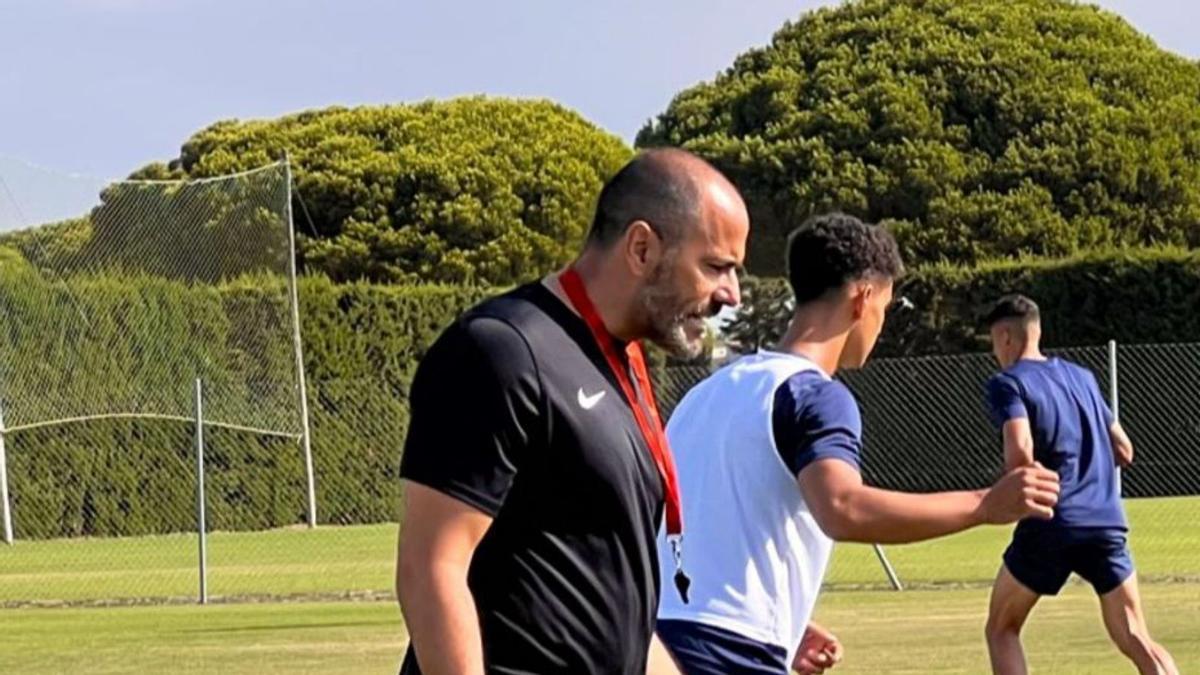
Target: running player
x,y
1051,411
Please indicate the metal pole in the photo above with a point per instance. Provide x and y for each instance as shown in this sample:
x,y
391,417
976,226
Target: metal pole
x,y
305,434
201,526
1114,402
5,505
887,567
1112,378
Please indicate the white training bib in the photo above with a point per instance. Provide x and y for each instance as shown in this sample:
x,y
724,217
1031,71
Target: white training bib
x,y
755,554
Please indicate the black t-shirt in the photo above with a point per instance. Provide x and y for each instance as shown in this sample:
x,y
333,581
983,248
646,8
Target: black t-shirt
x,y
516,412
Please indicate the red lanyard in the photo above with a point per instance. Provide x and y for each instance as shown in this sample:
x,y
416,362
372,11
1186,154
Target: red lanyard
x,y
650,424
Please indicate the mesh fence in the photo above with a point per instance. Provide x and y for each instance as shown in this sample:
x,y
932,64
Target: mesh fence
x,y
925,425
89,533
112,318
926,429
259,549
1159,403
119,312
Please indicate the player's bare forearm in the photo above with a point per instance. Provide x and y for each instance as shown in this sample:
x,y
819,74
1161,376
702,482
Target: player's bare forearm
x,y
436,543
848,510
441,619
870,515
1122,446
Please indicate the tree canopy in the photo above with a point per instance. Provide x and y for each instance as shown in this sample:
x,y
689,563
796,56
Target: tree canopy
x,y
977,130
473,190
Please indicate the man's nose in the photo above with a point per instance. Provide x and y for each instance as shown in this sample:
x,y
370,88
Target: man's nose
x,y
729,291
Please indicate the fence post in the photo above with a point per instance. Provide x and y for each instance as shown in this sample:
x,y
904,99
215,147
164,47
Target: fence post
x,y
1113,396
887,568
297,346
5,504
201,526
1112,379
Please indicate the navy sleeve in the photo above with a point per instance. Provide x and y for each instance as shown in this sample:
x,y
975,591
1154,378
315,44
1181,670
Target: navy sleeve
x,y
814,419
475,405
1004,400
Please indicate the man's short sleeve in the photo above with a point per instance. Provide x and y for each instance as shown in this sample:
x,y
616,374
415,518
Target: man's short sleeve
x,y
1004,400
814,419
475,406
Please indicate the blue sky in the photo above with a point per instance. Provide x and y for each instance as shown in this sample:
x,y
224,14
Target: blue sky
x,y
100,87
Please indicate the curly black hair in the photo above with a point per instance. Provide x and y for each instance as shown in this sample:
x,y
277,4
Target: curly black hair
x,y
830,250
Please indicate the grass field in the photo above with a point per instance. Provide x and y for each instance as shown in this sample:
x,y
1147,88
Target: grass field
x,y
331,561
289,562
936,631
916,631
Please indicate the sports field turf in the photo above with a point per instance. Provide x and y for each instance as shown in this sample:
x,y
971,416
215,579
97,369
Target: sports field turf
x,y
330,561
916,631
287,562
936,631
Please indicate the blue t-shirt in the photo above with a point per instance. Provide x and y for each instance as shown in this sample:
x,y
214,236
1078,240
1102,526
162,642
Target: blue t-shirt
x,y
1069,421
815,418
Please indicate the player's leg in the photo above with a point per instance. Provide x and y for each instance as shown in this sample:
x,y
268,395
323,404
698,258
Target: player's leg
x,y
1126,624
1009,608
1101,556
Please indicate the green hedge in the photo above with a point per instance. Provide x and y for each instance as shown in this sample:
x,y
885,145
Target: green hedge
x,y
362,342
128,477
1132,296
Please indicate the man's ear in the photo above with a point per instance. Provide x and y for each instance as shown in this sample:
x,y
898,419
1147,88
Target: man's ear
x,y
641,248
862,294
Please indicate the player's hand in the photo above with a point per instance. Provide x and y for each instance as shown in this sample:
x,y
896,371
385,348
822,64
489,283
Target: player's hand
x,y
819,651
1030,491
1124,457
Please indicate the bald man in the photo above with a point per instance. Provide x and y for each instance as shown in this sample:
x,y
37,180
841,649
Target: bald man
x,y
1051,411
535,470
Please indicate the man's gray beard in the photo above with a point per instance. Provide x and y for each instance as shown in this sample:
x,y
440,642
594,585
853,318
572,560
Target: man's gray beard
x,y
668,326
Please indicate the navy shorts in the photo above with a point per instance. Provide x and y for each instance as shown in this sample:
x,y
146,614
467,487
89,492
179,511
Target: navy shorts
x,y
1043,558
707,650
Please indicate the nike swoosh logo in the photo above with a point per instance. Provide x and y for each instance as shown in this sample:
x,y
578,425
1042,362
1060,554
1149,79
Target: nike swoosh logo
x,y
588,402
